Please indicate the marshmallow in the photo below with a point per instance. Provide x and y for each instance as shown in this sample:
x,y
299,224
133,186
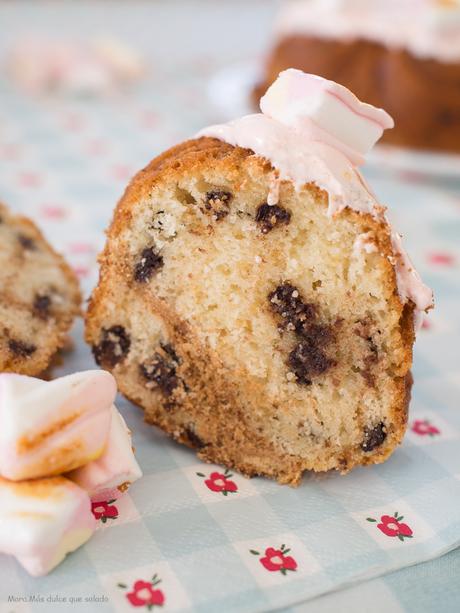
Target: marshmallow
x,y
43,520
325,111
115,470
99,66
51,427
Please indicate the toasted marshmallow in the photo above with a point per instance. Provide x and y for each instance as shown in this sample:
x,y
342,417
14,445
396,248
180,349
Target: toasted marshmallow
x,y
43,520
326,112
115,470
51,427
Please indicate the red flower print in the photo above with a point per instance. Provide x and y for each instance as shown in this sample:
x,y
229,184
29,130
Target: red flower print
x,y
144,594
52,211
392,526
104,510
81,247
81,271
73,122
97,147
422,427
441,258
220,482
30,179
10,151
149,119
121,172
276,560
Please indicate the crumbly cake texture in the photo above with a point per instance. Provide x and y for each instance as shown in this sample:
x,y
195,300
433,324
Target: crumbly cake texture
x,y
39,297
392,79
258,335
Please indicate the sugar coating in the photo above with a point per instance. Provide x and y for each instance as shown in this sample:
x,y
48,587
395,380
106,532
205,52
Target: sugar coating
x,y
43,520
50,427
116,469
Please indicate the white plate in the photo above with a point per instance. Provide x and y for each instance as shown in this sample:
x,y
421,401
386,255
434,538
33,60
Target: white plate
x,y
229,90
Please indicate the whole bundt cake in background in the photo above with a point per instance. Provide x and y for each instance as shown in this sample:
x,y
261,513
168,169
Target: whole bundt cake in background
x,y
253,299
39,297
402,55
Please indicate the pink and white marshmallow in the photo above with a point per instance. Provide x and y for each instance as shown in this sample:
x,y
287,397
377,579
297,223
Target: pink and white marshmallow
x,y
52,427
325,111
43,520
115,470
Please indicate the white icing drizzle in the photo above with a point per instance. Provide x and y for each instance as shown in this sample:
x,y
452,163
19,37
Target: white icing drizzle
x,y
274,191
410,285
295,152
426,28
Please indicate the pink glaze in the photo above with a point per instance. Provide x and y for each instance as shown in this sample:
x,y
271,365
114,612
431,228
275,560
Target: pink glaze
x,y
410,285
314,131
49,427
425,28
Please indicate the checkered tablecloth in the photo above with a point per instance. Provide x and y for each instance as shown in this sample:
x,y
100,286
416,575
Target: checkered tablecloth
x,y
191,536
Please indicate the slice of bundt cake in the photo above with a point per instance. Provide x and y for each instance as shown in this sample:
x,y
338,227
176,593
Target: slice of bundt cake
x,y
39,297
252,297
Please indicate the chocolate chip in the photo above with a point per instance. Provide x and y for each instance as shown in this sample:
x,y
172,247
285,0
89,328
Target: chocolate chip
x,y
374,437
148,263
41,306
218,196
270,216
27,242
296,314
161,373
169,349
113,347
307,360
446,117
217,201
193,438
21,349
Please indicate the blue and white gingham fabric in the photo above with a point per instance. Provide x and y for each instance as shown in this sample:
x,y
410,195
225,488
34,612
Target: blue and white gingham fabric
x,y
261,546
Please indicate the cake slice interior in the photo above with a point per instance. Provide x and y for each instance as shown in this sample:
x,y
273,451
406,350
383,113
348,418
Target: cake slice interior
x,y
270,338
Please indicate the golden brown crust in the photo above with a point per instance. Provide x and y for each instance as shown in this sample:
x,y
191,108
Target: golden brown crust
x,y
55,329
48,487
214,400
392,79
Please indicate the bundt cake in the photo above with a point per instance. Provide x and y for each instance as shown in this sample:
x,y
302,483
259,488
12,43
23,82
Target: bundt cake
x,y
253,299
402,55
39,297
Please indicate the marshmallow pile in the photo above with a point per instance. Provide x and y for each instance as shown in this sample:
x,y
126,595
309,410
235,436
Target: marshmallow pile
x,y
99,66
63,445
